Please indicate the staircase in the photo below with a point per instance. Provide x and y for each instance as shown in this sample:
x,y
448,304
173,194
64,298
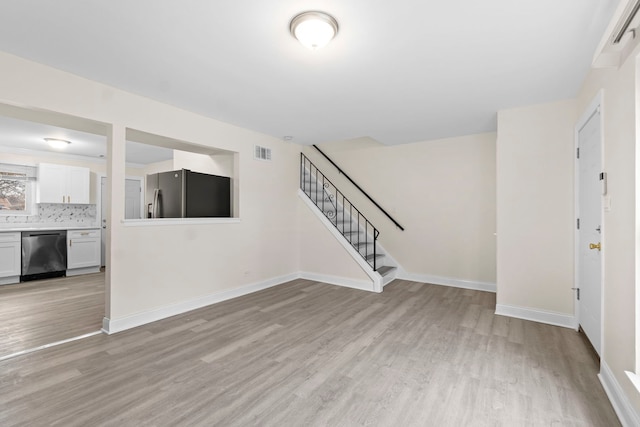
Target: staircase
x,y
354,227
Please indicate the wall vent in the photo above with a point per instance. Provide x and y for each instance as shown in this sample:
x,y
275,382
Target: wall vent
x,y
262,153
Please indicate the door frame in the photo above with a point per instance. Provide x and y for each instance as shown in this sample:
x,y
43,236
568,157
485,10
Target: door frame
x,y
98,188
99,194
593,107
100,176
140,179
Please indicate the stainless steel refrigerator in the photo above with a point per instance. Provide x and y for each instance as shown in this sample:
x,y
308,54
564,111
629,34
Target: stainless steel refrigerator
x,y
186,194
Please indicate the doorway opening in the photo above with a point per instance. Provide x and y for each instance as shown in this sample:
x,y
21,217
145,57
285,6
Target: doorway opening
x,y
134,199
40,313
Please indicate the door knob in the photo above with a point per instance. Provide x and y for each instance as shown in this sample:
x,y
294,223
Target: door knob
x,y
594,246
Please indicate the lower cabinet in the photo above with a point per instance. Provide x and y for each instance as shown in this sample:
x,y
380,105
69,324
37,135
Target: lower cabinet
x,y
83,251
10,257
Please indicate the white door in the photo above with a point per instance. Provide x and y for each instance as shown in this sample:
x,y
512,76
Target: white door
x,y
132,207
103,215
132,201
589,292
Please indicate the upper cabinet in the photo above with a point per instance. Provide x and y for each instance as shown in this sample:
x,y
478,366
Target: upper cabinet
x,y
63,184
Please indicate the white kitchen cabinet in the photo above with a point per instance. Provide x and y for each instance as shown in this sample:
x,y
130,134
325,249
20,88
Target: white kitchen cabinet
x,y
83,251
10,256
63,184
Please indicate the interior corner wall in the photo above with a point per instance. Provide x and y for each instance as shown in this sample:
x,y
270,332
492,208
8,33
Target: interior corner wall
x,y
155,267
621,116
535,207
442,192
217,165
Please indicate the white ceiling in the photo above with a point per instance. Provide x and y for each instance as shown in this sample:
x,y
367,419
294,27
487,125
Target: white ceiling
x,y
398,71
27,135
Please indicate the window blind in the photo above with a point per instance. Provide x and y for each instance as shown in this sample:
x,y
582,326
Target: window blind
x,y
18,172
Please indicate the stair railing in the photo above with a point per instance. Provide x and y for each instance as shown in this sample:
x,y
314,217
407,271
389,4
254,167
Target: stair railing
x,y
360,188
347,219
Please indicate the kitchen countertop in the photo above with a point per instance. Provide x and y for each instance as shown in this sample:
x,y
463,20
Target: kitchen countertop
x,y
48,228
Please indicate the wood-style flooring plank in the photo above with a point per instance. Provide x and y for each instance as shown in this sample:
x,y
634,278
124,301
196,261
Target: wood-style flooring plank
x,y
307,353
40,312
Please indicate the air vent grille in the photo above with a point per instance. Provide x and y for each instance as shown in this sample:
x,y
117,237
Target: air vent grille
x,y
262,153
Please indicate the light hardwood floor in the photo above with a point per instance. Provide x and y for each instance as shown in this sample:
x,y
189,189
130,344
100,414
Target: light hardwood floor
x,y
44,311
310,354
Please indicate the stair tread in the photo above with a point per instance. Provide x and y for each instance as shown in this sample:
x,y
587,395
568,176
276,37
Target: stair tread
x,y
317,192
385,269
360,244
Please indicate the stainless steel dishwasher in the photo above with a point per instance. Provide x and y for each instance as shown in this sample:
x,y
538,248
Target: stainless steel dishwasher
x,y
44,254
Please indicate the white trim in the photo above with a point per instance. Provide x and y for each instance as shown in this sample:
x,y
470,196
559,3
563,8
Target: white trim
x,y
391,262
625,411
176,221
84,270
362,285
141,181
103,236
537,315
446,281
9,280
375,277
634,378
111,326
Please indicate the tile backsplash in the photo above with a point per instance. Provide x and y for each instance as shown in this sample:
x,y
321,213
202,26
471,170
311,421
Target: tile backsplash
x,y
55,214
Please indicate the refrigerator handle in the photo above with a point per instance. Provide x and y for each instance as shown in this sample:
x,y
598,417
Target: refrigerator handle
x,y
155,208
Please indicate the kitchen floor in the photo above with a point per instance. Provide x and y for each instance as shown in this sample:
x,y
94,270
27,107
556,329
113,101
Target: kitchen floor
x,y
41,312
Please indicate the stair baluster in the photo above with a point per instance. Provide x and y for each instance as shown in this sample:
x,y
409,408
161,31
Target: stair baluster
x,y
326,196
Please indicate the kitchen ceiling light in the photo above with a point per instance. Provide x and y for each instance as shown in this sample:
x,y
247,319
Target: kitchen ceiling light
x,y
314,29
56,143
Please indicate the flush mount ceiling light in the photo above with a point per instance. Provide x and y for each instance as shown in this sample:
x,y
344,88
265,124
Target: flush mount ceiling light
x,y
56,143
314,29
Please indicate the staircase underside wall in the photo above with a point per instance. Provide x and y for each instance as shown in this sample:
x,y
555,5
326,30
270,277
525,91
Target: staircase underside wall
x,y
322,257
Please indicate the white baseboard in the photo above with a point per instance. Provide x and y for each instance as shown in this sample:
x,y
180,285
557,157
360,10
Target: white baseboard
x,y
85,270
9,280
446,281
537,315
111,326
362,285
355,255
625,411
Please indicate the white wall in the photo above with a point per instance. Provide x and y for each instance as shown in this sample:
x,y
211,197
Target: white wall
x,y
166,165
322,254
535,214
620,247
217,165
442,192
535,179
153,267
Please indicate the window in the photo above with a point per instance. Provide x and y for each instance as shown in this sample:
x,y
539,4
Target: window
x,y
17,189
